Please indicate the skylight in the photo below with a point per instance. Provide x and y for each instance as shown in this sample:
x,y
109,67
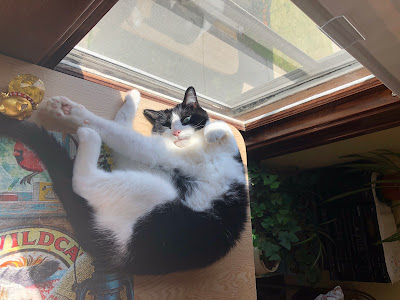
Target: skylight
x,y
239,55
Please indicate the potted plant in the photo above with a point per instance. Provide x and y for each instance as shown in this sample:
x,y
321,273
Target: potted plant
x,y
285,230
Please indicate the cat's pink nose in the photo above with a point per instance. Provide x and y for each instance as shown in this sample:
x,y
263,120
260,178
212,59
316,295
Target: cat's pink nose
x,y
177,132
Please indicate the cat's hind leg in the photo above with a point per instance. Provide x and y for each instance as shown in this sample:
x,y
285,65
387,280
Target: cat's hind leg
x,y
119,198
127,112
124,117
91,182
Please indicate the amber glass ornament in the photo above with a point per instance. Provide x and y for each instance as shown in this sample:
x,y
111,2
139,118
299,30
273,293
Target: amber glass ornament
x,y
25,92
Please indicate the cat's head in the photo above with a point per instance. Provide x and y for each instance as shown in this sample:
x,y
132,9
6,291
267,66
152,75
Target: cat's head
x,y
181,123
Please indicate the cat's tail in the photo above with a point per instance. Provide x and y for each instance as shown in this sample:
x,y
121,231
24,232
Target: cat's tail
x,y
59,166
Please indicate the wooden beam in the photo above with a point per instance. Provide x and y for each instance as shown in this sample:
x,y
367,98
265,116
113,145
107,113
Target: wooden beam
x,y
355,112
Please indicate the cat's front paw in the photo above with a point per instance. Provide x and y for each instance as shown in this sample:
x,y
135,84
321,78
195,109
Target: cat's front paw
x,y
67,110
215,131
214,135
88,135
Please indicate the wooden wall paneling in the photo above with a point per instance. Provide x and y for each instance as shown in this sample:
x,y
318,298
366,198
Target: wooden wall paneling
x,y
43,31
230,278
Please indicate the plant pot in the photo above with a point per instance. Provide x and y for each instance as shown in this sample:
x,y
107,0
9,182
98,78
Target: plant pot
x,y
260,268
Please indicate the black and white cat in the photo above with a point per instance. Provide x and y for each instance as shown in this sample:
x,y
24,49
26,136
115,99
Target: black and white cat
x,y
177,199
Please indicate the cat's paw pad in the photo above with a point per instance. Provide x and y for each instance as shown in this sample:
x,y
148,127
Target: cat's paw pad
x,y
62,107
88,135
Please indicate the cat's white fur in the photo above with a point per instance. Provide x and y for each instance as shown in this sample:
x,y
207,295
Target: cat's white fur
x,y
120,198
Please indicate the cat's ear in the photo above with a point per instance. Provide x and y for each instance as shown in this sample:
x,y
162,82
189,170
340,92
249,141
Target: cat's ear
x,y
190,98
151,115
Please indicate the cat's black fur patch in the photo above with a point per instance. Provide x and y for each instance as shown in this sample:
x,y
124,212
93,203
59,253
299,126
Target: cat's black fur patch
x,y
174,237
238,158
161,120
183,183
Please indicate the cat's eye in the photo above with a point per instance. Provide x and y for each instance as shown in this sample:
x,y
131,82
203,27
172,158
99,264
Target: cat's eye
x,y
186,120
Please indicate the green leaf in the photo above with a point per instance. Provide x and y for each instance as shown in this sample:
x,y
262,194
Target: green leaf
x,y
345,195
268,251
275,256
392,238
275,231
307,240
293,238
265,225
275,248
275,196
253,175
260,193
272,178
285,238
275,185
280,218
286,244
255,243
284,212
265,179
294,228
318,256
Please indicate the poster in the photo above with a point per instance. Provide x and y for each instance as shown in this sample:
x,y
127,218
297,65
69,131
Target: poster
x,y
39,257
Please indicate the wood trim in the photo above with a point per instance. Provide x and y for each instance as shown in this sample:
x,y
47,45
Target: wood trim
x,y
304,94
349,114
318,102
89,18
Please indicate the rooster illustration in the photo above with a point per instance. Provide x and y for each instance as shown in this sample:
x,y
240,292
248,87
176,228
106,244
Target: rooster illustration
x,y
27,160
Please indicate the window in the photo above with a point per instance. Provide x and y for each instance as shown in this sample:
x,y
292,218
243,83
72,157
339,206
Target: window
x,y
239,55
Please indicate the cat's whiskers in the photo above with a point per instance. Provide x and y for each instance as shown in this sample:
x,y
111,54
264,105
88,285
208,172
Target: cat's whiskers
x,y
197,125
